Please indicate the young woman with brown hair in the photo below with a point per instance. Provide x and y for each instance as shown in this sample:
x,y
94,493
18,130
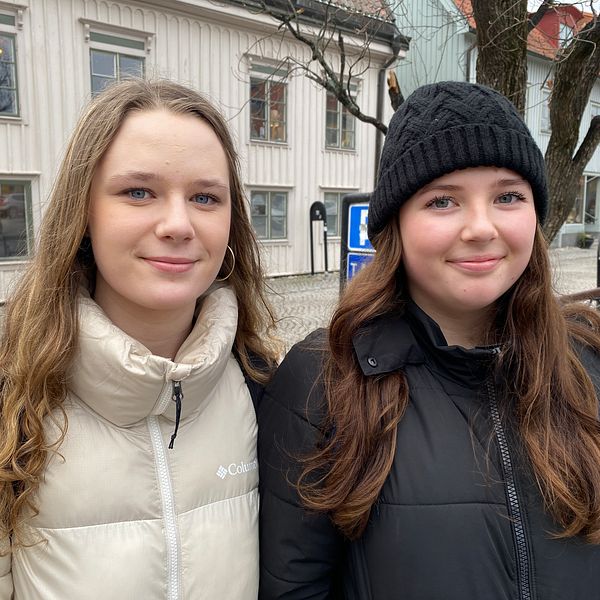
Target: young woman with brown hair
x,y
127,431
441,439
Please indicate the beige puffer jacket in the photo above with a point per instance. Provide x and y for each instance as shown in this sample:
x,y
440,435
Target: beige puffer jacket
x,y
123,516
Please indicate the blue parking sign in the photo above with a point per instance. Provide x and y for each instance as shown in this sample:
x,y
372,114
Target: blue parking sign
x,y
358,239
355,262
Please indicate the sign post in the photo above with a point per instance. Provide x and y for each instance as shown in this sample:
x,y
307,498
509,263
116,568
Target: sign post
x,y
356,250
317,213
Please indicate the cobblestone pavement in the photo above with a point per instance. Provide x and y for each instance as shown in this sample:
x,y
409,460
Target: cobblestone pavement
x,y
305,302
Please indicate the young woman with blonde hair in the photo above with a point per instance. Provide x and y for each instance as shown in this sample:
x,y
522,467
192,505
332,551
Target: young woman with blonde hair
x,y
127,429
441,439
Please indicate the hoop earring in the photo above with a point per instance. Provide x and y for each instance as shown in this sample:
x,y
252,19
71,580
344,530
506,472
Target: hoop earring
x,y
232,265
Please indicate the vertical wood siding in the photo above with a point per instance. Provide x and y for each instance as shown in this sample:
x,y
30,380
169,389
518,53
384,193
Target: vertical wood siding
x,y
207,54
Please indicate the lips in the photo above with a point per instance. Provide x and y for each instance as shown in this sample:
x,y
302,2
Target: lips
x,y
477,264
170,264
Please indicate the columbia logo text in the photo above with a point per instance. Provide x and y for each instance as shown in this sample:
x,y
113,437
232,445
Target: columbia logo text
x,y
236,468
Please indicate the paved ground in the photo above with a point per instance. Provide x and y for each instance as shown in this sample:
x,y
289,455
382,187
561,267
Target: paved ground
x,y
304,302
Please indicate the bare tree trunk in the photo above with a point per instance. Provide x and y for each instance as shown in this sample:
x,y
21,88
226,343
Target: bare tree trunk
x,y
576,72
502,28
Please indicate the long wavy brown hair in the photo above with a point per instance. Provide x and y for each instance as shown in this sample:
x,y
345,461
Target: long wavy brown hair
x,y
552,399
40,326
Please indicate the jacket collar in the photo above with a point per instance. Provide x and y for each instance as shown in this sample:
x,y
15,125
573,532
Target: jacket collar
x,y
410,336
121,380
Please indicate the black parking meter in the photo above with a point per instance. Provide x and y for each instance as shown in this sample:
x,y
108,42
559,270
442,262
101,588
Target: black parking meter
x,y
318,213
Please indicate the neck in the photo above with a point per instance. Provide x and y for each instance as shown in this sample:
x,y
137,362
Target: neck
x,y
462,329
161,333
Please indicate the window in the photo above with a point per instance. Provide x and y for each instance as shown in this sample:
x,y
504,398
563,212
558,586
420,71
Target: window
x,y
268,104
333,202
545,126
565,34
268,211
9,102
15,219
340,125
113,58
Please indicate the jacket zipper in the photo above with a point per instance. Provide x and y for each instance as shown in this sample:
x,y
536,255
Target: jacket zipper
x,y
167,497
512,498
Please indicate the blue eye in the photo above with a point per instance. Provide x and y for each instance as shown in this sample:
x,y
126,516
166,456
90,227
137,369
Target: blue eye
x,y
441,202
137,194
203,199
510,198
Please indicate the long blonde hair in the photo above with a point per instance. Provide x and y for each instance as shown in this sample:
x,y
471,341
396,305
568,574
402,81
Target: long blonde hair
x,y
40,326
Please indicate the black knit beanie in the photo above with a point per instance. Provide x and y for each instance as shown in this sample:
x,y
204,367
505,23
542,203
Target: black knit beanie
x,y
448,126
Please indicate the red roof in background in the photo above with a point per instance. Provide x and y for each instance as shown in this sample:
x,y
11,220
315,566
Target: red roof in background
x,y
544,39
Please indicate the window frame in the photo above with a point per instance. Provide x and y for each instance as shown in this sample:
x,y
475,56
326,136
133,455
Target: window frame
x,y
268,195
271,76
339,194
121,42
11,26
545,126
27,183
340,112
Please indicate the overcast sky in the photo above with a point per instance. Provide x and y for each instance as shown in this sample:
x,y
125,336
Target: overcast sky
x,y
584,5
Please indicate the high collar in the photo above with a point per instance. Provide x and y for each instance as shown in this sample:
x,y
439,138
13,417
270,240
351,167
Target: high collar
x,y
121,380
393,341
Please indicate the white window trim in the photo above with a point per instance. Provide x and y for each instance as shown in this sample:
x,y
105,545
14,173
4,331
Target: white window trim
x,y
33,179
355,89
271,189
283,67
136,35
16,11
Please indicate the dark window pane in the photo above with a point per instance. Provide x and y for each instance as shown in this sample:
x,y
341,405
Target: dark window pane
x,y
103,63
7,48
332,120
8,102
257,90
331,202
332,138
278,227
277,92
7,75
347,121
258,205
348,139
279,204
260,226
131,65
99,83
13,220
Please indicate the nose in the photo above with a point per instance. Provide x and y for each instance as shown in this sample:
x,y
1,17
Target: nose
x,y
174,220
479,225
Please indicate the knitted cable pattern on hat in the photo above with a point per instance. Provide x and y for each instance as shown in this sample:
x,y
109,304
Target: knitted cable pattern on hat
x,y
448,126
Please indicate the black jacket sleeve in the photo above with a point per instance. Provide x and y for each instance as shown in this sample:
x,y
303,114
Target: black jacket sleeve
x,y
301,552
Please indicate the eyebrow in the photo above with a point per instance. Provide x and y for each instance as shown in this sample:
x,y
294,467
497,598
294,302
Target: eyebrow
x,y
145,177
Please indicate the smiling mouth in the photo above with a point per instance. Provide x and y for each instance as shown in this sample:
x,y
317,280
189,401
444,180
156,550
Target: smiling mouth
x,y
477,264
170,264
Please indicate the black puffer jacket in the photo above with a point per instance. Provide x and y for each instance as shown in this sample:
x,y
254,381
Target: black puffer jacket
x,y
459,517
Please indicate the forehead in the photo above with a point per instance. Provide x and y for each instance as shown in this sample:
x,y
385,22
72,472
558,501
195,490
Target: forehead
x,y
165,139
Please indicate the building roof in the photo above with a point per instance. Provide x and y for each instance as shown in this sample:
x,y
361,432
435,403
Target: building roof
x,y
545,38
375,9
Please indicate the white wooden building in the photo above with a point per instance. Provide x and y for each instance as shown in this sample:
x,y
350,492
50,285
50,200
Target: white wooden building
x,y
296,145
